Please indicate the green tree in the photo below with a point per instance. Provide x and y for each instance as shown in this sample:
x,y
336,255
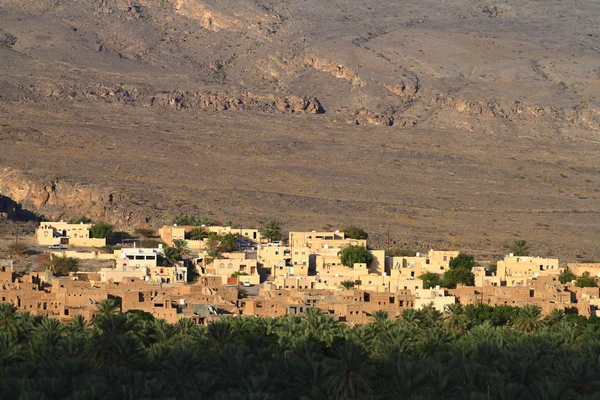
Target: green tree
x,y
347,284
212,242
17,248
198,234
528,319
454,319
63,265
400,252
101,230
462,261
349,374
149,243
351,255
107,307
381,317
566,276
187,220
586,280
181,248
271,231
170,256
456,276
228,242
519,248
80,220
354,232
430,280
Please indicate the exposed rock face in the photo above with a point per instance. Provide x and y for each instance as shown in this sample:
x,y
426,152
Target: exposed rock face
x,y
517,110
335,69
205,100
405,86
57,199
369,117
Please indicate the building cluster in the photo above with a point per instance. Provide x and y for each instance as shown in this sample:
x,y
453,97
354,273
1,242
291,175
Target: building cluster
x,y
304,272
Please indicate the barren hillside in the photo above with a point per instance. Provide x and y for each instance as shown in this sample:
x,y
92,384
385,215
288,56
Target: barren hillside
x,y
455,123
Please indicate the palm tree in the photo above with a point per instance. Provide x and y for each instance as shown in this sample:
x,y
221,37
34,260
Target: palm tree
x,y
381,318
402,378
161,331
107,307
454,317
271,231
431,316
185,326
411,316
519,248
49,331
221,332
8,317
170,256
181,248
528,318
555,317
349,373
347,284
78,324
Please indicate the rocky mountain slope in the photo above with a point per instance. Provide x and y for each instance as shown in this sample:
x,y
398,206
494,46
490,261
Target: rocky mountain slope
x,y
87,86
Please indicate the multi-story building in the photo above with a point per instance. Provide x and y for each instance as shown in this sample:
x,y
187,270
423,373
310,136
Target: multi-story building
x,y
51,233
519,270
232,265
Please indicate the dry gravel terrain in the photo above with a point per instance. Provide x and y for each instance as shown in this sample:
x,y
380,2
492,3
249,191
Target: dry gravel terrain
x,y
462,124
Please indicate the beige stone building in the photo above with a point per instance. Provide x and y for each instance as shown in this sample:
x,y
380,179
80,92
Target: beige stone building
x,y
435,261
438,297
52,233
232,263
170,233
519,271
579,268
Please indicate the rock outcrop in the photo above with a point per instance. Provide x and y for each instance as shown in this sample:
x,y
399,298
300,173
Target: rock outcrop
x,y
180,100
517,110
57,199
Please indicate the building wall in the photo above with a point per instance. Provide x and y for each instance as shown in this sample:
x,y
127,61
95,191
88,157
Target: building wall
x,y
579,268
77,234
170,233
117,275
225,267
516,271
84,255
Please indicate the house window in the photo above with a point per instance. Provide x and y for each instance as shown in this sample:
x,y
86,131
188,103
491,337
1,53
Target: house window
x,y
230,266
221,265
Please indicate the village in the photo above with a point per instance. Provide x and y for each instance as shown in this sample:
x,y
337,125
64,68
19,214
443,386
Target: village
x,y
206,272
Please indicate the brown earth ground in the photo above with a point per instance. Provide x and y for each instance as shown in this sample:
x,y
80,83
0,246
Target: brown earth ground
x,y
453,124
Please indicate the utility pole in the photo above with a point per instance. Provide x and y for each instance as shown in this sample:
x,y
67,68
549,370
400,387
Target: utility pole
x,y
17,235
